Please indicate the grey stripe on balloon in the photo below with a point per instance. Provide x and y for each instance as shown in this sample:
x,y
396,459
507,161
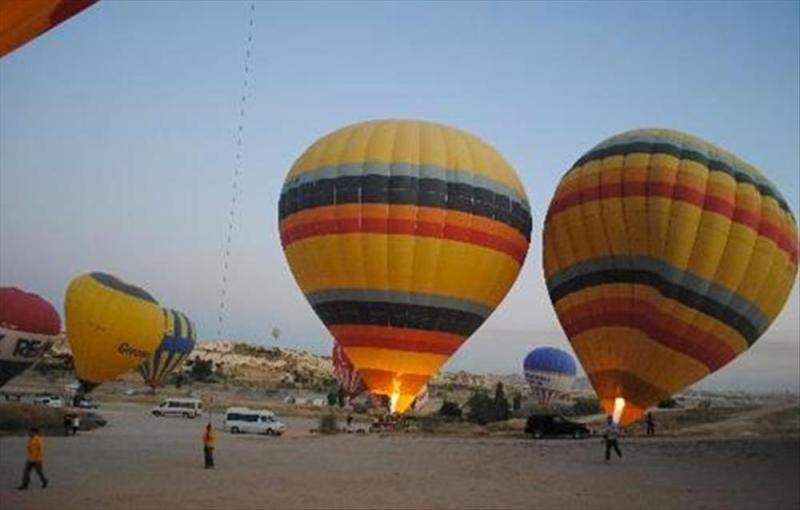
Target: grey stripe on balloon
x,y
399,297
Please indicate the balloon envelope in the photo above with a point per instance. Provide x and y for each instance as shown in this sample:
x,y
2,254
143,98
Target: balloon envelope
x,y
178,341
112,326
28,327
665,258
23,20
404,236
550,373
346,373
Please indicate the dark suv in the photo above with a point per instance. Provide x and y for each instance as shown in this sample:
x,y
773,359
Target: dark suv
x,y
541,425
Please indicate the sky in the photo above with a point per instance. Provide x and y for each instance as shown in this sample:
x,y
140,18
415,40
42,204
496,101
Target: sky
x,y
118,136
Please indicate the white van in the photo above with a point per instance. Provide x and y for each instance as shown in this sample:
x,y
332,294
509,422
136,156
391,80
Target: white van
x,y
243,419
185,407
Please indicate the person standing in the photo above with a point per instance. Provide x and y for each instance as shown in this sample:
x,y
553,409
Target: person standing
x,y
209,442
76,424
610,436
67,423
650,424
35,456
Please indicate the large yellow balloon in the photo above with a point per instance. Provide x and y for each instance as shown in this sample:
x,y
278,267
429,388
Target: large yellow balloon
x,y
404,236
112,326
665,258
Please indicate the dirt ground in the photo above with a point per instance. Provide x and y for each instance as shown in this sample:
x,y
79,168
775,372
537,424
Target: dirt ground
x,y
139,461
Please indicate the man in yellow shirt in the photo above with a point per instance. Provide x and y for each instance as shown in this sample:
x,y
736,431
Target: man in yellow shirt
x,y
209,442
35,456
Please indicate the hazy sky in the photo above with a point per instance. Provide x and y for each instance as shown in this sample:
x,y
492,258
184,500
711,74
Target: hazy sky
x,y
117,135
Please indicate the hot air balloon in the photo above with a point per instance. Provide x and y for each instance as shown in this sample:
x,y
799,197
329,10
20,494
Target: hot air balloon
x,y
665,258
404,236
346,373
23,20
550,373
28,327
112,327
177,343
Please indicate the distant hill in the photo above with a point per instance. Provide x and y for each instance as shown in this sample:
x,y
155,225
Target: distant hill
x,y
246,364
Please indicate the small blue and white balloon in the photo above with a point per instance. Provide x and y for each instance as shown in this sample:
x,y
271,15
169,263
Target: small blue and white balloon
x,y
550,372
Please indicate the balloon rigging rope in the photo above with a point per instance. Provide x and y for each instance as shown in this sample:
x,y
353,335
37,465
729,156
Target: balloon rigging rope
x,y
237,171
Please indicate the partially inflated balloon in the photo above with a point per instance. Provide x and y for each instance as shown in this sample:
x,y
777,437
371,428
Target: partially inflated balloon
x,y
550,373
177,343
665,258
112,326
404,236
23,20
346,373
28,327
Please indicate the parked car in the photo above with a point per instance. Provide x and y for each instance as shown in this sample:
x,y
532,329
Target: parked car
x,y
49,401
243,420
543,425
91,420
184,407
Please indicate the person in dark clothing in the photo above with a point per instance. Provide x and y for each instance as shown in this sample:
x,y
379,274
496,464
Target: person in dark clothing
x,y
209,442
349,420
610,437
650,424
67,423
35,456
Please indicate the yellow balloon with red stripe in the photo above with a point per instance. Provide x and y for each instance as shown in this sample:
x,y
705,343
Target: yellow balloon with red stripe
x,y
112,327
404,236
665,258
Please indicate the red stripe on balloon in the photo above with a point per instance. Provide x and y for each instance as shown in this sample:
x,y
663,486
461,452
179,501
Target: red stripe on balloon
x,y
647,318
501,244
398,339
783,239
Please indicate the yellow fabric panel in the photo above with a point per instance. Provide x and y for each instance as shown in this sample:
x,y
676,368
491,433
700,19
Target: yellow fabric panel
x,y
736,257
558,232
754,276
709,244
665,368
721,185
748,198
401,362
101,321
450,264
681,236
412,142
578,235
594,231
550,261
658,221
771,211
635,217
781,280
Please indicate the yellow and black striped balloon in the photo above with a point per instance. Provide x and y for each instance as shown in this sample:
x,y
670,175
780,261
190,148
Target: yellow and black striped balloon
x,y
404,236
112,326
179,338
665,258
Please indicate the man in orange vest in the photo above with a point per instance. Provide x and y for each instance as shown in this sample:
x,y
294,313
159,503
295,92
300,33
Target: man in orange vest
x,y
209,442
35,449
